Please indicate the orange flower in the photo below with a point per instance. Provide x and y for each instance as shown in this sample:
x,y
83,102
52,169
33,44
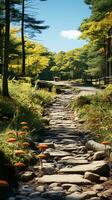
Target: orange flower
x,y
106,142
25,144
25,128
11,140
19,152
11,132
42,147
23,123
41,156
19,164
3,183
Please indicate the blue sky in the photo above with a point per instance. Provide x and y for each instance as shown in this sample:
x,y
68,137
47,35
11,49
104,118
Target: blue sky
x,y
63,17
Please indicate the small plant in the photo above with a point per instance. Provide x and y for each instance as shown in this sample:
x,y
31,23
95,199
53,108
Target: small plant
x,y
41,156
107,150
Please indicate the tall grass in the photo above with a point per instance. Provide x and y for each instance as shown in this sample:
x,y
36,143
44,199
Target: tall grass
x,y
26,104
97,112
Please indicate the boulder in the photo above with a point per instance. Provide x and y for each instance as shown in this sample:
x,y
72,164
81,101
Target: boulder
x,y
80,196
53,195
57,188
48,168
100,155
91,176
27,176
98,187
40,188
74,188
107,194
34,195
26,190
95,146
66,186
54,185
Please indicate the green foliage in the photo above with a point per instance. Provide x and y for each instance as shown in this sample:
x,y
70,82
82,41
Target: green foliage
x,y
81,102
42,97
97,112
9,148
27,104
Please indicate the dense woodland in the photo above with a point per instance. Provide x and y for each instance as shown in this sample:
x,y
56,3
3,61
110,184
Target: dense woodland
x,y
24,109
21,56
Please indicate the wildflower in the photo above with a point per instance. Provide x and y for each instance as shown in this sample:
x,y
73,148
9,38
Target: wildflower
x,y
19,164
42,147
106,143
11,140
3,183
41,156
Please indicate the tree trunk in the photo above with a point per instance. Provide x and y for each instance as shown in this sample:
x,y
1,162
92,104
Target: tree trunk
x,y
5,91
105,55
23,39
108,56
1,49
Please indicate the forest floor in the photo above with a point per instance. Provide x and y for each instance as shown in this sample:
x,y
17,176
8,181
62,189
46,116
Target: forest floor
x,y
70,171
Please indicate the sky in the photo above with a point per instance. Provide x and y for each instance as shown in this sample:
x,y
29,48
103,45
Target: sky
x,y
64,18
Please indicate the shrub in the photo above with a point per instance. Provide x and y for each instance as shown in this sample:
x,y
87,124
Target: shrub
x,y
80,102
97,111
107,94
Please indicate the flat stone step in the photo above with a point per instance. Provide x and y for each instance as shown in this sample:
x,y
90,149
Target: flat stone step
x,y
71,178
55,153
98,167
74,162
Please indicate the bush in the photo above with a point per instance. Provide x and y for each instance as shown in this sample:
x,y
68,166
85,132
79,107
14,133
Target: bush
x,y
97,111
107,94
43,85
80,102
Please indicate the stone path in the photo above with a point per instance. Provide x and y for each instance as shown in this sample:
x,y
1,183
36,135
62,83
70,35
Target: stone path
x,y
69,171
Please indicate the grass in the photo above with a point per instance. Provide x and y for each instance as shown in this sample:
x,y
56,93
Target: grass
x,y
96,110
25,105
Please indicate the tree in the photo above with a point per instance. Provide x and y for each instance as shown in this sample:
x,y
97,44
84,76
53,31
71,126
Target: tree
x,y
97,29
29,23
5,91
1,34
22,37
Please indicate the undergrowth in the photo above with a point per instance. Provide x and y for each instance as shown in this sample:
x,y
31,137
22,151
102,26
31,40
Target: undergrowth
x,y
96,110
25,105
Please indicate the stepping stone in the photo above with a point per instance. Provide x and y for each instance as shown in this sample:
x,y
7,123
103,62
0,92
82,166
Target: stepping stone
x,y
98,167
57,153
74,162
71,178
